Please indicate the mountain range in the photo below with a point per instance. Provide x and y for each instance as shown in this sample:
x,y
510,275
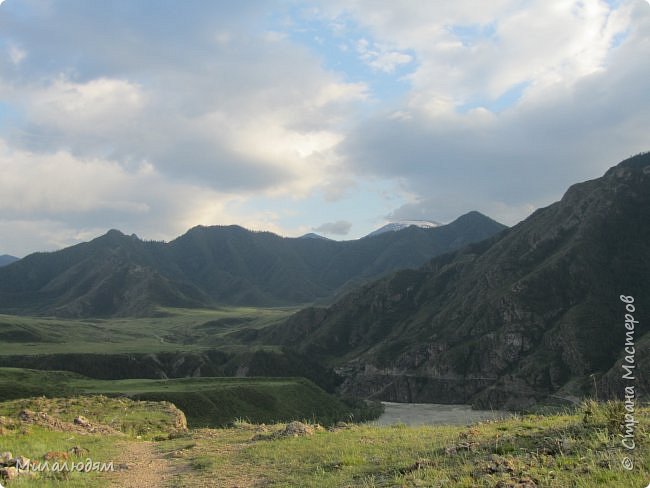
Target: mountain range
x,y
120,275
6,259
469,312
533,313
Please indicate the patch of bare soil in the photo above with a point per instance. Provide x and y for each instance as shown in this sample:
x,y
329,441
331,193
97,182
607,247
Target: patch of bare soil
x,y
140,465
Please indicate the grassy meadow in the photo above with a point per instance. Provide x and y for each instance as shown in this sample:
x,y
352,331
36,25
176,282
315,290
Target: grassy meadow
x,y
561,450
172,330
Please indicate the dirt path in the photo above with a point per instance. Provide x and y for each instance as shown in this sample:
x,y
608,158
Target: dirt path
x,y
140,465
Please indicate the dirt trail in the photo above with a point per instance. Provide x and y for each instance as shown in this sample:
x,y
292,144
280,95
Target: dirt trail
x,y
140,465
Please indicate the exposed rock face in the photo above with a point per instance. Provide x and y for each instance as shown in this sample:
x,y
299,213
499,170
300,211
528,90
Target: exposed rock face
x,y
180,421
506,322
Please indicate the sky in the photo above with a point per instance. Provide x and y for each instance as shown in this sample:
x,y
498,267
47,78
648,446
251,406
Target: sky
x,y
154,116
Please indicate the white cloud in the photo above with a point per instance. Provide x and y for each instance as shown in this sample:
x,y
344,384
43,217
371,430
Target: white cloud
x,y
57,183
339,228
99,113
581,108
84,197
21,236
381,57
507,43
163,121
523,158
233,119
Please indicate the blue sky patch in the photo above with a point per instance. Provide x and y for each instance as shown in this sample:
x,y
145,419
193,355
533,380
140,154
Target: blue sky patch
x,y
337,43
468,34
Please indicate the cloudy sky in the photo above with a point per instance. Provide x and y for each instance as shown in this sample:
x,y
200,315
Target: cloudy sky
x,y
294,116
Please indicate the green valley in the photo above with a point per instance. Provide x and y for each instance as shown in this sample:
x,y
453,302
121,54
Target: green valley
x,y
171,329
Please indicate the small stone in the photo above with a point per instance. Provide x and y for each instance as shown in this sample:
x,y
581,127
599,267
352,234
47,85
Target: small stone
x,y
81,420
8,473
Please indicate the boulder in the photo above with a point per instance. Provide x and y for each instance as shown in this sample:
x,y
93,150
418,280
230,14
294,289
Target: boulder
x,y
81,420
8,473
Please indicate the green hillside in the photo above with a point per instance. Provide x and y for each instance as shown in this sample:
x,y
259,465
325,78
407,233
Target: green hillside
x,y
525,316
205,401
170,330
179,343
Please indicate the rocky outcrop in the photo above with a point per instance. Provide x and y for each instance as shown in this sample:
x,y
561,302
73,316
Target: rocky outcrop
x,y
80,425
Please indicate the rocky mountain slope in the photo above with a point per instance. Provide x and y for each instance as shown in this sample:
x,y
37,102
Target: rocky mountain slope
x,y
529,314
122,275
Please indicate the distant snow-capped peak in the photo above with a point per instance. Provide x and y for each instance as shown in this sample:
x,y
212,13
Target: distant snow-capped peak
x,y
403,224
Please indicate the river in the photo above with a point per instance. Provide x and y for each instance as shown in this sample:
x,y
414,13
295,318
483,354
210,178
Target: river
x,y
434,414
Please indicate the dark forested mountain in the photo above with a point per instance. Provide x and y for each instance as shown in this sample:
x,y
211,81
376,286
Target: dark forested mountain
x,y
527,314
117,274
6,259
